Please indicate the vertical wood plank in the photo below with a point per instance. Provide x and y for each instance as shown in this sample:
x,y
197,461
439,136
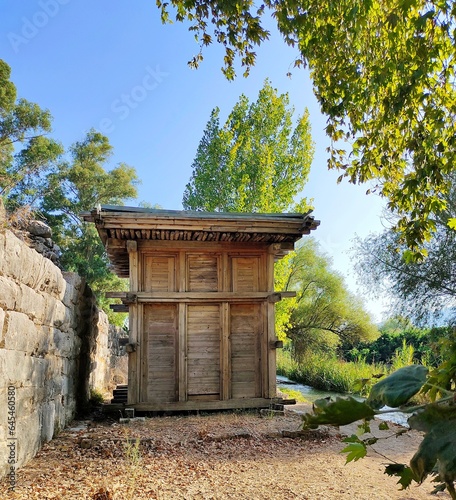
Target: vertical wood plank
x,y
182,352
225,353
225,278
269,365
182,271
134,323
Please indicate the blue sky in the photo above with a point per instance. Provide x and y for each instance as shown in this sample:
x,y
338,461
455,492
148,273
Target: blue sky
x,y
113,66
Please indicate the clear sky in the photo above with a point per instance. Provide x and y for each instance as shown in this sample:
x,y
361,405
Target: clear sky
x,y
113,66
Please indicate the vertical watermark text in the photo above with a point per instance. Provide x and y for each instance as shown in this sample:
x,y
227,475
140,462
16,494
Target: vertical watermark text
x,y
11,441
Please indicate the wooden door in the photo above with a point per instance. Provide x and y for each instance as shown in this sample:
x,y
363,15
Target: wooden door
x,y
160,337
203,352
245,336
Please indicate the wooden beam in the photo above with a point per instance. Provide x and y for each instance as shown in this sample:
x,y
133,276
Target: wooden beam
x,y
119,308
207,405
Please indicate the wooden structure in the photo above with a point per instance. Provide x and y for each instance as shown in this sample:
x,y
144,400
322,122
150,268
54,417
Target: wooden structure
x,y
201,302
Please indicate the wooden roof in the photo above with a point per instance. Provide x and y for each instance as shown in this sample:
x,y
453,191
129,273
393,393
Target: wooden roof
x,y
118,224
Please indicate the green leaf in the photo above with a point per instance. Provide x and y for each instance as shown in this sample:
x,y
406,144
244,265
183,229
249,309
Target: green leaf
x,y
439,445
342,411
398,388
451,223
383,426
363,428
405,474
356,449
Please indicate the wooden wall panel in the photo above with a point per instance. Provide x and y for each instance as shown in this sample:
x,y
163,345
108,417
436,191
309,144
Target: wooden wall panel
x,y
202,273
160,334
245,274
203,351
159,273
246,323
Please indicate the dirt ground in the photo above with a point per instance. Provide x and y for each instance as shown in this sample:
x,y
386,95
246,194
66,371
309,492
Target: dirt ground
x,y
214,456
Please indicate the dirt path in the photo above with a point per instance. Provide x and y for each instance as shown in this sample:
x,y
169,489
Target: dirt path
x,y
217,456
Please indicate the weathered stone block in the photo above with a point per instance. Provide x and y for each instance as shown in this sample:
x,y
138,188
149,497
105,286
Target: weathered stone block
x,y
39,228
64,344
10,292
56,314
2,323
31,303
51,280
21,370
31,266
47,418
12,265
20,333
28,436
2,250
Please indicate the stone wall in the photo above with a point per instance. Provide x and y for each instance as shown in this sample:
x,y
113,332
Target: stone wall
x,y
54,347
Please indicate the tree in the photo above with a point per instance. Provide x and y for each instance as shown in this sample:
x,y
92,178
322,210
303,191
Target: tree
x,y
422,290
324,313
383,73
79,185
256,162
25,153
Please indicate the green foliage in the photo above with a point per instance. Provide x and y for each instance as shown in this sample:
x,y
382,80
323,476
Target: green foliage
x,y
79,185
293,394
324,312
400,344
418,290
257,162
341,411
96,397
355,449
405,474
383,73
396,389
435,455
25,154
327,373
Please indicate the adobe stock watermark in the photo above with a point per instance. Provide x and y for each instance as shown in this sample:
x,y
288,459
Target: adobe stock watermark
x,y
125,103
31,26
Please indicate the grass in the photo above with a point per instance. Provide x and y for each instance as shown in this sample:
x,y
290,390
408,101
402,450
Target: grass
x,y
328,373
292,394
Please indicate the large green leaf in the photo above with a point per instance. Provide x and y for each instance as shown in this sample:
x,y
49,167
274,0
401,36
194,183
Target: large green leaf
x,y
439,445
398,388
404,473
341,411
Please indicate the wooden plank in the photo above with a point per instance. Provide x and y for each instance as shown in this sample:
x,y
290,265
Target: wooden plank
x,y
203,349
182,352
245,350
202,272
134,358
206,405
182,275
270,363
160,328
245,274
187,245
200,296
159,273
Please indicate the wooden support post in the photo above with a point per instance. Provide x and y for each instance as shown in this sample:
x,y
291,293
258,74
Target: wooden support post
x,y
134,357
270,389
